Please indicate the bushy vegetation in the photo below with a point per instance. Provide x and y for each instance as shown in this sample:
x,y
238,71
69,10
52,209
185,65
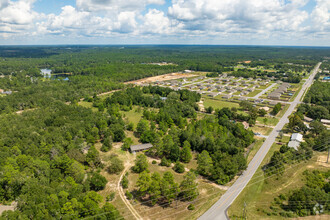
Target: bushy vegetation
x,y
311,199
154,188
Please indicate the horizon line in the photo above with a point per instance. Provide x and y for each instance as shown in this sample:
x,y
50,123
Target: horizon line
x,y
244,45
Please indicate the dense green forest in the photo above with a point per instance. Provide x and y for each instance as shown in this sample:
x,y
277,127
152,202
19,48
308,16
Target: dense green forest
x,y
319,98
48,161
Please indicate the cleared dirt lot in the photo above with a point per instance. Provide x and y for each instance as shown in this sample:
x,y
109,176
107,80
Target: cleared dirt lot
x,y
165,77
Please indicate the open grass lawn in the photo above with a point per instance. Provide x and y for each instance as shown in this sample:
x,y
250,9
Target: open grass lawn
x,y
133,115
262,130
261,190
217,104
254,93
270,120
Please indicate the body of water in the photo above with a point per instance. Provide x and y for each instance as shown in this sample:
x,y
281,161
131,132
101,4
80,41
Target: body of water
x,y
48,74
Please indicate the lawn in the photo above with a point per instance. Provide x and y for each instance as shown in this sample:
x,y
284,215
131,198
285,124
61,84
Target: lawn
x,y
254,93
270,120
217,104
262,130
265,86
261,191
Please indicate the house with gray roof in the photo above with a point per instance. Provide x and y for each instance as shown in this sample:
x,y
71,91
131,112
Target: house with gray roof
x,y
140,147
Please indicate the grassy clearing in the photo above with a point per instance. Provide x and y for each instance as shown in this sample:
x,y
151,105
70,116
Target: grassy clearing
x,y
217,104
262,130
270,120
254,93
87,105
133,115
261,191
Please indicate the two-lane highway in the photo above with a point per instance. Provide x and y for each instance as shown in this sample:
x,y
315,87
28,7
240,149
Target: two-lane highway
x,y
219,209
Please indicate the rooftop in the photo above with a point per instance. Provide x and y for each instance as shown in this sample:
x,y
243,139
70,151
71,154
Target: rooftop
x,y
139,147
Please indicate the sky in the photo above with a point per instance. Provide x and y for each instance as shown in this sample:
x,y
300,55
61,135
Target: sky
x,y
219,22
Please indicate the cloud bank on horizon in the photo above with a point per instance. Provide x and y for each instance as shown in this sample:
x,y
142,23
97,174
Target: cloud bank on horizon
x,y
268,22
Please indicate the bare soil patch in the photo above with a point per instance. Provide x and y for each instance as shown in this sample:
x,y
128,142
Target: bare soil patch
x,y
322,161
165,77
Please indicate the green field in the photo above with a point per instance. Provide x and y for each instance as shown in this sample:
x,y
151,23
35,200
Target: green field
x,y
217,104
270,120
133,115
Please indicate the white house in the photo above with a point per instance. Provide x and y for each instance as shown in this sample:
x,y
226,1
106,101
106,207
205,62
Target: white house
x,y
296,137
295,141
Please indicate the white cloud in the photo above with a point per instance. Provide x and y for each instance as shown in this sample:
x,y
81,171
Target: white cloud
x,y
125,23
321,16
184,19
16,17
156,22
115,6
239,15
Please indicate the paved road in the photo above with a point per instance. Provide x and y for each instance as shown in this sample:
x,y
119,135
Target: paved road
x,y
219,209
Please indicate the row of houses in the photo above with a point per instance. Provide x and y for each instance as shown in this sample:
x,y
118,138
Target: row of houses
x,y
276,94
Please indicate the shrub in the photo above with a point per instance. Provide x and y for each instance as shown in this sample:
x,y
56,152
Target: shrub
x,y
116,165
154,162
111,197
98,182
178,167
124,182
129,195
165,162
191,207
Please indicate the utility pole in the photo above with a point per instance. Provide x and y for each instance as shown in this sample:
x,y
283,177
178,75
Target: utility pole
x,y
244,211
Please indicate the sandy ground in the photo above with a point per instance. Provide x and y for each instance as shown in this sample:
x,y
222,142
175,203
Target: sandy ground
x,y
322,160
165,77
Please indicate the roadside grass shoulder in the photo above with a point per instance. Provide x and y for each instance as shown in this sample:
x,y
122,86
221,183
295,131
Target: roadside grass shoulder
x,y
261,191
282,112
256,146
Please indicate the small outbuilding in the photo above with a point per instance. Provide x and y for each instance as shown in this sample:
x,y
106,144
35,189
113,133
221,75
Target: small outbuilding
x,y
140,147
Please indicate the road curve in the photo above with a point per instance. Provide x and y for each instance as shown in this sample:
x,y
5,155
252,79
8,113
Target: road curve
x,y
219,209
